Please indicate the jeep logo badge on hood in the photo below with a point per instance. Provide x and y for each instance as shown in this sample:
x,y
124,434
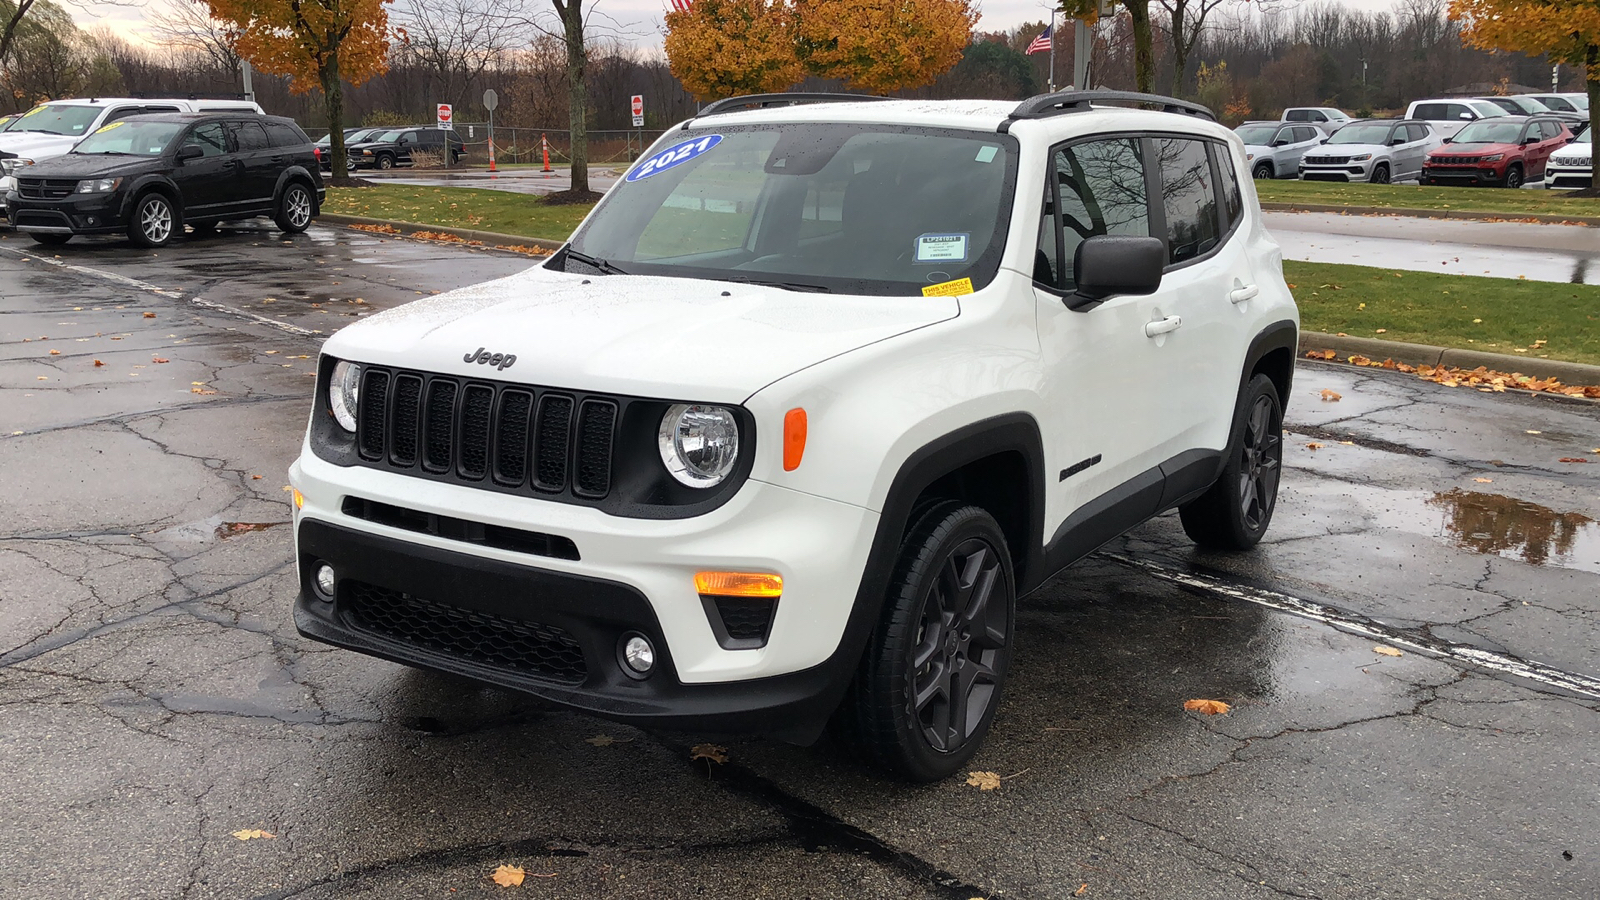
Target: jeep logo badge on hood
x,y
482,357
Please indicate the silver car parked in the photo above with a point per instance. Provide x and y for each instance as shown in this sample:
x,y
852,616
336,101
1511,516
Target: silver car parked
x,y
1274,148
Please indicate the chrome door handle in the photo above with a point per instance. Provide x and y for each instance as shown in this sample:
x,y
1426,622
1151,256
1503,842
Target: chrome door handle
x,y
1170,323
1240,295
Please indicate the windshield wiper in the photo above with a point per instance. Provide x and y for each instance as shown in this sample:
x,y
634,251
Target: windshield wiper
x,y
594,262
788,285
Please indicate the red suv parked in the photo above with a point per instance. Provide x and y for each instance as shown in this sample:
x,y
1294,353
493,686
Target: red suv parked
x,y
1505,151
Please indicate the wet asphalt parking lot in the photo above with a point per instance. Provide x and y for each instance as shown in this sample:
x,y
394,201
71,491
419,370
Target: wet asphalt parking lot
x,y
155,698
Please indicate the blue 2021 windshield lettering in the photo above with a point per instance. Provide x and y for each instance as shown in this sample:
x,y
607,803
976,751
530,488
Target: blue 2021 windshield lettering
x,y
676,155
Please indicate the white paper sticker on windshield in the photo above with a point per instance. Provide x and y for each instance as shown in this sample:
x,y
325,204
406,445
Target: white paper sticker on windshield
x,y
939,248
986,153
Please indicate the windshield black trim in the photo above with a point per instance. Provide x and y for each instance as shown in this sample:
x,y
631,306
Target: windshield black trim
x,y
982,272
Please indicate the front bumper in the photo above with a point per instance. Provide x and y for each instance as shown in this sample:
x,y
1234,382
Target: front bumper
x,y
631,575
1556,177
1435,174
77,214
1356,171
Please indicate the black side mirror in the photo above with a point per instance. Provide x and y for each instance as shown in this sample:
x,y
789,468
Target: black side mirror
x,y
1106,265
188,152
1449,140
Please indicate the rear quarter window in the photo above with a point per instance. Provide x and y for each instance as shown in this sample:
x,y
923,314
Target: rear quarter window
x,y
283,134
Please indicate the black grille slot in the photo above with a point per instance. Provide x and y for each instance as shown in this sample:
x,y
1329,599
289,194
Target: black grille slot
x,y
740,623
441,424
46,188
403,425
373,404
477,402
511,439
519,644
504,437
596,419
516,540
551,443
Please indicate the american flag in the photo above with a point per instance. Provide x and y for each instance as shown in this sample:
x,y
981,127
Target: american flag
x,y
1039,45
681,5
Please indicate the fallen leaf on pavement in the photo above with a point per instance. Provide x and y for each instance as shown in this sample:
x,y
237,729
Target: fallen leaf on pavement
x,y
984,781
1330,396
1533,432
508,876
98,364
159,359
1313,445
55,352
1386,651
1209,707
1081,888
149,315
250,834
1484,480
1573,459
709,752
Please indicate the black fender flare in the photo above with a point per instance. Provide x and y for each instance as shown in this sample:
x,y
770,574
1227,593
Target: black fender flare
x,y
1281,335
154,182
297,173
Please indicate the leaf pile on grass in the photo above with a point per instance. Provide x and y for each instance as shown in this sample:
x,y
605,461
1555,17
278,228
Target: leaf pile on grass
x,y
502,212
1483,378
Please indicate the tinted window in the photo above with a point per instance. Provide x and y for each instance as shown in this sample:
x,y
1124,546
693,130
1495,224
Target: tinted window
x,y
1259,135
1433,111
1490,133
1417,132
1228,184
208,138
1102,189
1559,103
282,134
122,112
1305,133
248,136
1549,130
1371,133
1188,197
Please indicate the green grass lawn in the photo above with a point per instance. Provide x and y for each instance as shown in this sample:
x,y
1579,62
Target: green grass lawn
x,y
1496,315
1414,196
499,211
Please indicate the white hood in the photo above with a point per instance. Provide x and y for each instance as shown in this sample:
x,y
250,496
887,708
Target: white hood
x,y
1347,150
36,146
667,338
1573,151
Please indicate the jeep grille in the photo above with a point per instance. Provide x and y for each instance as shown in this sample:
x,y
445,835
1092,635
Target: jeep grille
x,y
540,440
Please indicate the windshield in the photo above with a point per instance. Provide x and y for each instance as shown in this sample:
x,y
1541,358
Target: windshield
x,y
72,121
129,137
1490,133
1260,135
1361,134
383,137
875,209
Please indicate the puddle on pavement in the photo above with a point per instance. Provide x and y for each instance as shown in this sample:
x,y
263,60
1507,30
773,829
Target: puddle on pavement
x,y
1499,525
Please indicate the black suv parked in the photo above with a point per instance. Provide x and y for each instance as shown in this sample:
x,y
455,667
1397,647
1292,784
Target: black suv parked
x,y
393,148
150,175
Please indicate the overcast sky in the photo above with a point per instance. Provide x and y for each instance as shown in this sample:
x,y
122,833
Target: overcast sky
x,y
641,19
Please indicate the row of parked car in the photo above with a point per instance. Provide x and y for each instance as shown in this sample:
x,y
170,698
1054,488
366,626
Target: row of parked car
x,y
1500,141
149,168
389,148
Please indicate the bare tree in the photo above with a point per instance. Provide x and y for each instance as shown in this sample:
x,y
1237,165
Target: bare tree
x,y
188,27
13,16
457,40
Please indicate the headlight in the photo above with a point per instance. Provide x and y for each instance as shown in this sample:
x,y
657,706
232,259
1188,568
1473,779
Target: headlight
x,y
344,389
366,153
1492,158
10,166
1362,158
98,186
699,444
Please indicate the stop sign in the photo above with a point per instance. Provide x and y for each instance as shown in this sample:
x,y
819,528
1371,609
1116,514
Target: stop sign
x,y
638,104
444,115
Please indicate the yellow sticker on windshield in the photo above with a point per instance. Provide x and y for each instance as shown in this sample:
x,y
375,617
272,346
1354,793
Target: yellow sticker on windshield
x,y
35,111
949,288
105,128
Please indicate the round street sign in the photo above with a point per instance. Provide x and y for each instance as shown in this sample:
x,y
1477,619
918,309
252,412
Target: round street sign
x,y
490,100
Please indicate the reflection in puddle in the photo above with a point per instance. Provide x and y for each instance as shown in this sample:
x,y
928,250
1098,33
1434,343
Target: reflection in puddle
x,y
1507,526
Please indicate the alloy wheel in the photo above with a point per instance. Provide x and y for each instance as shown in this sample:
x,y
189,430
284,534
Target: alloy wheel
x,y
298,206
155,221
964,630
1261,464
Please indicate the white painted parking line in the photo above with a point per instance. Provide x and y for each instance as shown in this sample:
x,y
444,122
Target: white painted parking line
x,y
1353,624
177,295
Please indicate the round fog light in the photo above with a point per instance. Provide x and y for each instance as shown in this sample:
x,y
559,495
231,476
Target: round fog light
x,y
325,582
638,655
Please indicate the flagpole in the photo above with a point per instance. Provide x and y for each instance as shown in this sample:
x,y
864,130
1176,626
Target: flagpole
x,y
1052,85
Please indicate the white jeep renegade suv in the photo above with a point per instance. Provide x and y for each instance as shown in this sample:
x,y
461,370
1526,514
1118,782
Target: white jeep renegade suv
x,y
810,399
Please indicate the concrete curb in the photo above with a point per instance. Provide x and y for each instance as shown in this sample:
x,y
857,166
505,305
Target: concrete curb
x,y
1568,373
407,229
1543,218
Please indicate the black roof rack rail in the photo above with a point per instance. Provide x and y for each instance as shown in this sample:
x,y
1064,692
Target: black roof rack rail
x,y
1044,106
762,101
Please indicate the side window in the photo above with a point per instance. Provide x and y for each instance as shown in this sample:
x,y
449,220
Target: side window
x,y
1415,132
284,135
1188,196
1550,130
1431,111
122,112
248,136
1558,103
1303,134
1458,110
208,138
1228,185
1296,115
1101,186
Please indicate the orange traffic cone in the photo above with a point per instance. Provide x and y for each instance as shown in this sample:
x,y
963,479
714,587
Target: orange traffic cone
x,y
544,144
491,157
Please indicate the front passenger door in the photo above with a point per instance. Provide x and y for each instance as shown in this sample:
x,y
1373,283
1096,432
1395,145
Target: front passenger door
x,y
205,182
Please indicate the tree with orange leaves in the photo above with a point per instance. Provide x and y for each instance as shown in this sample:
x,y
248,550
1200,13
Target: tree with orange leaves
x,y
317,43
1567,30
882,45
724,48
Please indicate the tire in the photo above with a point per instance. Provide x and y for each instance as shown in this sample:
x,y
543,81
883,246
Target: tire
x,y
1235,512
385,161
953,575
50,240
1380,173
349,164
1514,176
295,207
1262,171
154,221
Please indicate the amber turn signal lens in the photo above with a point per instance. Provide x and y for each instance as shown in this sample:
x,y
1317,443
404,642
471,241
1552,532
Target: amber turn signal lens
x,y
299,500
794,438
738,584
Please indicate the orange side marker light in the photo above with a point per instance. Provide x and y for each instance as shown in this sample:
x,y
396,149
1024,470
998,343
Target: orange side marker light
x,y
738,584
794,438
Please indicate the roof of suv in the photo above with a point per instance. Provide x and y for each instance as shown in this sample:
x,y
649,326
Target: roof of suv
x,y
210,114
